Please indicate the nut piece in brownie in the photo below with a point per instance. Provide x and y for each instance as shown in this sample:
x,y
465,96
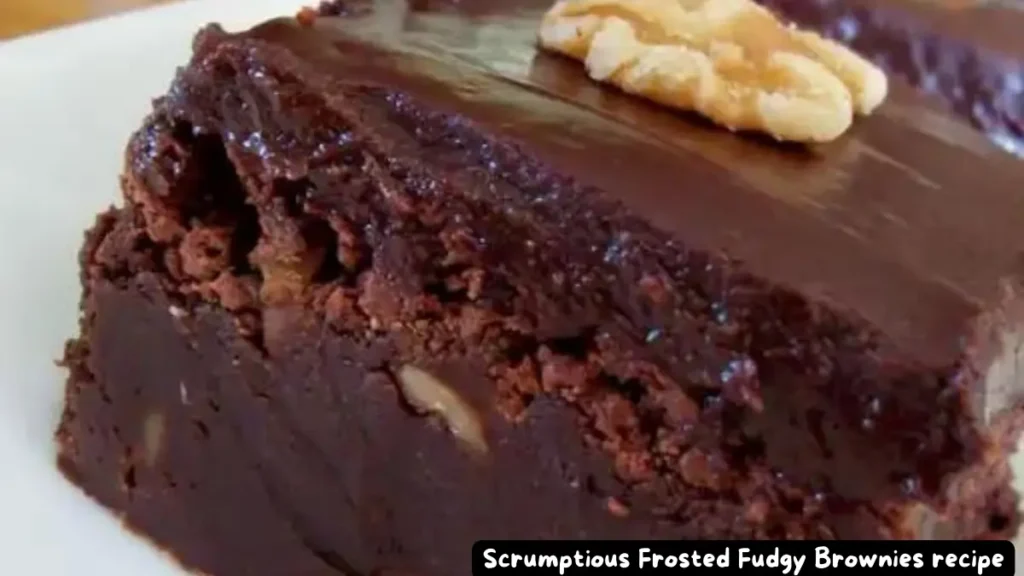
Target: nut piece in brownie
x,y
969,54
389,283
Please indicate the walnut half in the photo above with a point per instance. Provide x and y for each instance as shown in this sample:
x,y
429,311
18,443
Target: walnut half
x,y
732,61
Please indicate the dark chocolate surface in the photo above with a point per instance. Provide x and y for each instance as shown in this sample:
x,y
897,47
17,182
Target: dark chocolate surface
x,y
972,57
911,220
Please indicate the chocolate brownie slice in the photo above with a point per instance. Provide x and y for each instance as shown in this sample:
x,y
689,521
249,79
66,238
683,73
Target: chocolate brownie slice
x,y
971,55
389,283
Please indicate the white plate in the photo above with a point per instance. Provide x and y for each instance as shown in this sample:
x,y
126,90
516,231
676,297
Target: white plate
x,y
68,101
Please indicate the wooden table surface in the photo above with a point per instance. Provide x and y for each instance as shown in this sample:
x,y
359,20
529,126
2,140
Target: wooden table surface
x,y
19,17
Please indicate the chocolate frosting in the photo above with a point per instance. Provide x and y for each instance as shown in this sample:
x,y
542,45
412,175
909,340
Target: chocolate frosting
x,y
910,221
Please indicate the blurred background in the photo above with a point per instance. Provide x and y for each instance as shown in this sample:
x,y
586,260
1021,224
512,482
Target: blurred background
x,y
18,17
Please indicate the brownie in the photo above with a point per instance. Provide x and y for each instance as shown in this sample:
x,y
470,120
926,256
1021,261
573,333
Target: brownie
x,y
390,282
971,56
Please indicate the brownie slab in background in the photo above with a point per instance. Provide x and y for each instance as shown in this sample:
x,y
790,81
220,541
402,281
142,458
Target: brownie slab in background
x,y
391,282
969,54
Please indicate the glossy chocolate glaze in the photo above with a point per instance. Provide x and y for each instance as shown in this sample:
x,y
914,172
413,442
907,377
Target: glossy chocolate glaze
x,y
972,58
911,219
